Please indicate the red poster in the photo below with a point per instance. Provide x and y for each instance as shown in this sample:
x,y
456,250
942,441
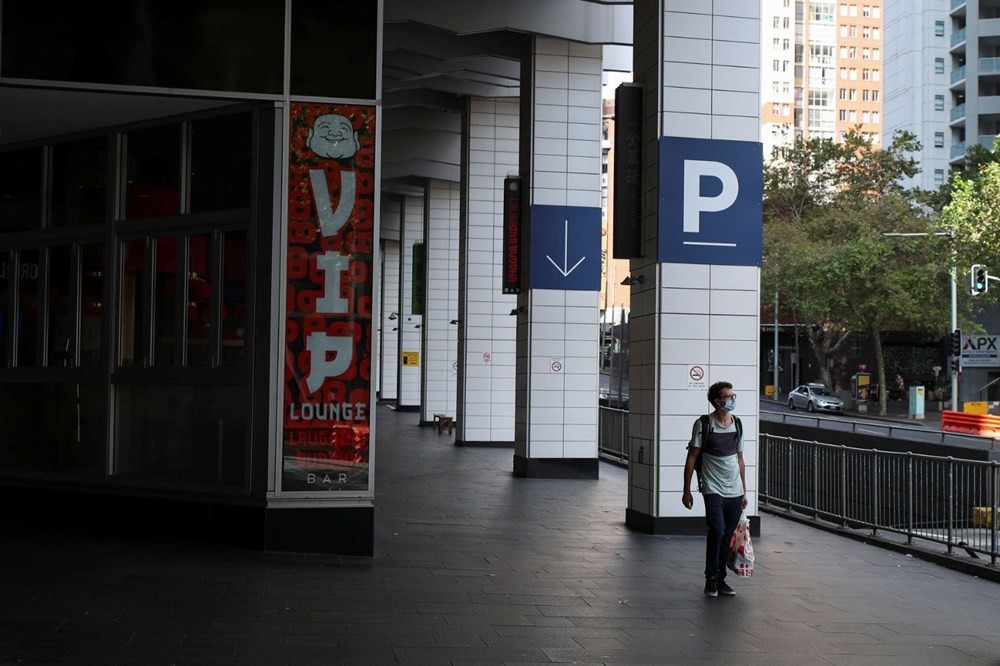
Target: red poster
x,y
328,322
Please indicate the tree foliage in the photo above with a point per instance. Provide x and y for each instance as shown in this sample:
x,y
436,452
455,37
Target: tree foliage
x,y
827,207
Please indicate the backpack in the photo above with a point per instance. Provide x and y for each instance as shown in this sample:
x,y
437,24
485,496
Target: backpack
x,y
706,427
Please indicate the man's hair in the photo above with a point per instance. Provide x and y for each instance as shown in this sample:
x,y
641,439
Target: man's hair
x,y
715,390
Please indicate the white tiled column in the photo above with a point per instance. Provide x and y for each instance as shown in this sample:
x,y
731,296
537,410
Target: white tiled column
x,y
706,86
558,330
440,362
389,322
409,324
487,332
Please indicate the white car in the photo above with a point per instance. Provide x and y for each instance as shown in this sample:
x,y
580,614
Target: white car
x,y
815,398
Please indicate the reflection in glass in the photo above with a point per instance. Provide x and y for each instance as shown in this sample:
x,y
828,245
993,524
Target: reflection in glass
x,y
199,308
186,432
221,151
91,303
21,190
27,309
165,323
59,427
334,48
4,305
79,182
234,298
153,173
61,300
133,330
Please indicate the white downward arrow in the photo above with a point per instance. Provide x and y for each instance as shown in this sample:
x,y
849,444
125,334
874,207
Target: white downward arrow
x,y
565,271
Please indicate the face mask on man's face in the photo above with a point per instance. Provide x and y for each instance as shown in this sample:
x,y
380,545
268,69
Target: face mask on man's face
x,y
730,404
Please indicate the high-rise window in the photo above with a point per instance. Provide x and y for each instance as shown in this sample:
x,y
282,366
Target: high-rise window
x,y
939,102
939,65
939,28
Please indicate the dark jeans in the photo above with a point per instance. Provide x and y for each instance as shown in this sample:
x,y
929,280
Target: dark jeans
x,y
722,514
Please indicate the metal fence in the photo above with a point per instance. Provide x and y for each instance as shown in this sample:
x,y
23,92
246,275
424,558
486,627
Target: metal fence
x,y
612,433
938,499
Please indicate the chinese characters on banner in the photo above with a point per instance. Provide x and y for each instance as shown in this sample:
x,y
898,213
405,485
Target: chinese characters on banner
x,y
328,325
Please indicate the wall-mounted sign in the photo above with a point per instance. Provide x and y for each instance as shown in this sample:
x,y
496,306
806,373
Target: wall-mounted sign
x,y
417,290
411,359
565,248
513,194
980,351
627,219
711,196
328,325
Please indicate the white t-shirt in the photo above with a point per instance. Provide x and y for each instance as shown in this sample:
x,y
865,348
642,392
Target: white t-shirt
x,y
720,475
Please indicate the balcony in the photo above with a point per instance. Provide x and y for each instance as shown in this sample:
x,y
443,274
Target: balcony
x,y
958,4
958,75
989,65
957,149
986,141
958,112
957,37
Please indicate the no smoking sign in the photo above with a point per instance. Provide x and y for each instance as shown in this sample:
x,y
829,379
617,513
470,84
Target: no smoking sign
x,y
696,378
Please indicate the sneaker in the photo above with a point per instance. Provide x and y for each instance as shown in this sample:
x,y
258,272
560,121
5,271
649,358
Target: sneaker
x,y
711,587
725,590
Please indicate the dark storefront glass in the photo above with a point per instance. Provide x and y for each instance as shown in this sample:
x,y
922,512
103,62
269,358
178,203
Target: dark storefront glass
x,y
5,263
61,299
133,280
91,303
226,45
80,182
199,308
221,150
234,299
153,173
181,432
165,324
21,190
27,308
52,427
334,48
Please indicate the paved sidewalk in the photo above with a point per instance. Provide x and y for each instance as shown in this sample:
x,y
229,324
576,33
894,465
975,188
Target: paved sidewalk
x,y
474,566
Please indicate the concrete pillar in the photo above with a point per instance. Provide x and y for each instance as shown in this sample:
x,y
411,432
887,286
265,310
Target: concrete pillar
x,y
558,318
487,332
388,373
439,365
695,315
409,323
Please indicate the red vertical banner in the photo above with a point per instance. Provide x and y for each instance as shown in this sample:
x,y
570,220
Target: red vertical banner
x,y
328,318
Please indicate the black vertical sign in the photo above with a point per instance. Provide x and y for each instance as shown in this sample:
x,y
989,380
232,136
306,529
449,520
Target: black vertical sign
x,y
627,220
512,193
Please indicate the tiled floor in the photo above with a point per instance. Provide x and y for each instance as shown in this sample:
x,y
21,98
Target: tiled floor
x,y
474,566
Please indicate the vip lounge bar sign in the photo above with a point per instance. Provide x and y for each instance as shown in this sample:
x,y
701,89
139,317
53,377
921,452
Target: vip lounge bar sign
x,y
328,325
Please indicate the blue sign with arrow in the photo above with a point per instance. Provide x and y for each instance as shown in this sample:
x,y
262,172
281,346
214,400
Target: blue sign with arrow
x,y
565,249
711,195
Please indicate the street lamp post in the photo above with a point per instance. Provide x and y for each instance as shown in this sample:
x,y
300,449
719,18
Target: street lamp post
x,y
954,304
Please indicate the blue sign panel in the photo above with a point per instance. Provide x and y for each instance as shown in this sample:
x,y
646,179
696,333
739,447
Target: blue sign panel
x,y
565,248
710,202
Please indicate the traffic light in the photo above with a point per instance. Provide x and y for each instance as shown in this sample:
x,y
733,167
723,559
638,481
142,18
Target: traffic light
x,y
980,279
956,342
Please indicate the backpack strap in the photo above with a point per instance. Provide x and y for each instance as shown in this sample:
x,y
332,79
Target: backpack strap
x,y
706,427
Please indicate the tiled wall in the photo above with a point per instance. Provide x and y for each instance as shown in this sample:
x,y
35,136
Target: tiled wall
x,y
409,324
440,362
557,377
487,332
705,86
390,212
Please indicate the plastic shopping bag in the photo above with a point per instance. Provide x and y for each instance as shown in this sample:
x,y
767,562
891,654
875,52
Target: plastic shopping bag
x,y
741,549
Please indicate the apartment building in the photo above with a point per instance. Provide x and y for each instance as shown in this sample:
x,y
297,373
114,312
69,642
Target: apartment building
x,y
923,81
821,70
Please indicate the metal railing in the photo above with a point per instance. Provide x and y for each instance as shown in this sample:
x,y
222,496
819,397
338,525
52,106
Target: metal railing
x,y
936,499
612,433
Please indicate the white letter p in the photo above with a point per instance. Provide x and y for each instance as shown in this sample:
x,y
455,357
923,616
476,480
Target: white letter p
x,y
694,203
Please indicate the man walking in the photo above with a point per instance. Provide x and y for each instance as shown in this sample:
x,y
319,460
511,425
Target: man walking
x,y
717,439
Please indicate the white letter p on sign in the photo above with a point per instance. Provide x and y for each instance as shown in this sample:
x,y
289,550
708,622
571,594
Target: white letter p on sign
x,y
694,203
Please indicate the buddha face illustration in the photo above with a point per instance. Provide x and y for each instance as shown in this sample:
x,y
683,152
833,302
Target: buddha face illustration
x,y
332,135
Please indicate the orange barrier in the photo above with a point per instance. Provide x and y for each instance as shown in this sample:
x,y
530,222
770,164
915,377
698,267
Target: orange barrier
x,y
984,425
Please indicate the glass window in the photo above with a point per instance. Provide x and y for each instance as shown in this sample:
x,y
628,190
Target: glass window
x,y
181,432
21,190
79,182
939,176
153,173
133,280
234,298
204,45
939,102
221,150
91,303
27,308
939,139
62,325
939,28
199,303
5,263
334,48
165,323
53,427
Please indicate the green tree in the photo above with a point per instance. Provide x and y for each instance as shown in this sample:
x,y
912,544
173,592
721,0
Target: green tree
x,y
827,207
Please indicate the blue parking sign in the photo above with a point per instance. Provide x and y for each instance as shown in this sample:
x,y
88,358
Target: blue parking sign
x,y
565,248
711,195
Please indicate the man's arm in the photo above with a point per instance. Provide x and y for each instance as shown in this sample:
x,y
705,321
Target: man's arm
x,y
743,476
692,456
